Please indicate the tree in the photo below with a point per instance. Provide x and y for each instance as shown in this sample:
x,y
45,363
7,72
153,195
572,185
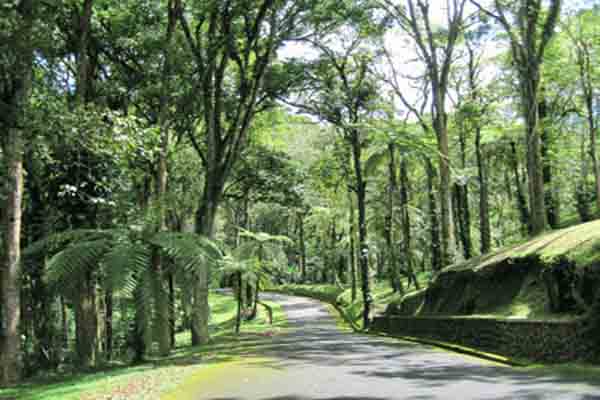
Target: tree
x,y
435,47
340,90
233,45
529,33
16,75
122,256
162,320
584,39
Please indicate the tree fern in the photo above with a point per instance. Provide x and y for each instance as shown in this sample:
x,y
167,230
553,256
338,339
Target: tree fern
x,y
70,265
121,258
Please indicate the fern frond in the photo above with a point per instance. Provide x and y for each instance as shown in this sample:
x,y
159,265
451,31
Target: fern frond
x,y
123,264
69,267
58,241
188,251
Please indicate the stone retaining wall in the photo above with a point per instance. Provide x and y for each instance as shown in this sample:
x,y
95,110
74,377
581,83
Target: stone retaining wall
x,y
548,341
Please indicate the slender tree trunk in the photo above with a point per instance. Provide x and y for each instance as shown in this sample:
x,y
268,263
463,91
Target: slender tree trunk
x,y
361,193
302,247
172,316
482,172
389,222
464,212
581,193
83,61
593,146
484,205
46,348
140,334
584,62
405,219
550,200
240,300
108,324
254,312
521,201
447,225
436,256
64,320
537,208
86,316
13,146
162,329
352,257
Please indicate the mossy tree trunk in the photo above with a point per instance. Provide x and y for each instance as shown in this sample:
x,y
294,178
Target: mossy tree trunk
x,y
485,230
405,220
301,245
352,246
462,201
434,232
86,322
392,191
520,195
361,193
550,199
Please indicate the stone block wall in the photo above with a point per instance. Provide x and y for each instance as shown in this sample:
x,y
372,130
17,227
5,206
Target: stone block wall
x,y
547,341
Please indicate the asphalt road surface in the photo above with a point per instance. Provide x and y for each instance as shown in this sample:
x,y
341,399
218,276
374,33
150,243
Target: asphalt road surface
x,y
317,361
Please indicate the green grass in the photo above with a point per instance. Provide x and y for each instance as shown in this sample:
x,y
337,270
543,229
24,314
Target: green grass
x,y
579,244
160,375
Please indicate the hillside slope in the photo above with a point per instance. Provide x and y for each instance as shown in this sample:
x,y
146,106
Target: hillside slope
x,y
554,276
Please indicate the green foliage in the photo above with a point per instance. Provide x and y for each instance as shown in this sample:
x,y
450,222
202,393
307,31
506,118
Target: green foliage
x,y
121,257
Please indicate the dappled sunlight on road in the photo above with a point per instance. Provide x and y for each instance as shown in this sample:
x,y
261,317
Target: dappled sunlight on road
x,y
317,361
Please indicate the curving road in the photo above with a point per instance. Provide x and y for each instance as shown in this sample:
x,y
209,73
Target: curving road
x,y
316,361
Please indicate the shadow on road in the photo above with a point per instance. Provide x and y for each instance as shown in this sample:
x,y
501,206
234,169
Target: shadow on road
x,y
316,361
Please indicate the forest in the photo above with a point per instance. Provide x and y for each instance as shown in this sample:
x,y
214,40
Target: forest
x,y
155,150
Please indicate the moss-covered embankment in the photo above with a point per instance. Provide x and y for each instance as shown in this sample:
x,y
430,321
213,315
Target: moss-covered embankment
x,y
535,300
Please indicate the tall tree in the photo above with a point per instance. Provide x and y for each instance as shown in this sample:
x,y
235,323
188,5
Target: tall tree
x,y
436,50
16,75
529,29
233,44
584,43
162,329
340,90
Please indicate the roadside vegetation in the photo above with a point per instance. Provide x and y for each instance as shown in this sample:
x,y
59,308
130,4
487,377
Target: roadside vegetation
x,y
160,375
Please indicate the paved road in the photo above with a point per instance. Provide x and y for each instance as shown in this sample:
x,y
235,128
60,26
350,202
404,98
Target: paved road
x,y
318,362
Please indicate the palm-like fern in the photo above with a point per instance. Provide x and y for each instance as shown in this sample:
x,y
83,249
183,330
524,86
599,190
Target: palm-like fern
x,y
120,260
258,254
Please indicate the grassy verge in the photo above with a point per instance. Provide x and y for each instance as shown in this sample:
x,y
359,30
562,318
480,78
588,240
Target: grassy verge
x,y
341,298
160,375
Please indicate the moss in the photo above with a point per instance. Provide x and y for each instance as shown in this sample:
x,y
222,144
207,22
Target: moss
x,y
552,276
